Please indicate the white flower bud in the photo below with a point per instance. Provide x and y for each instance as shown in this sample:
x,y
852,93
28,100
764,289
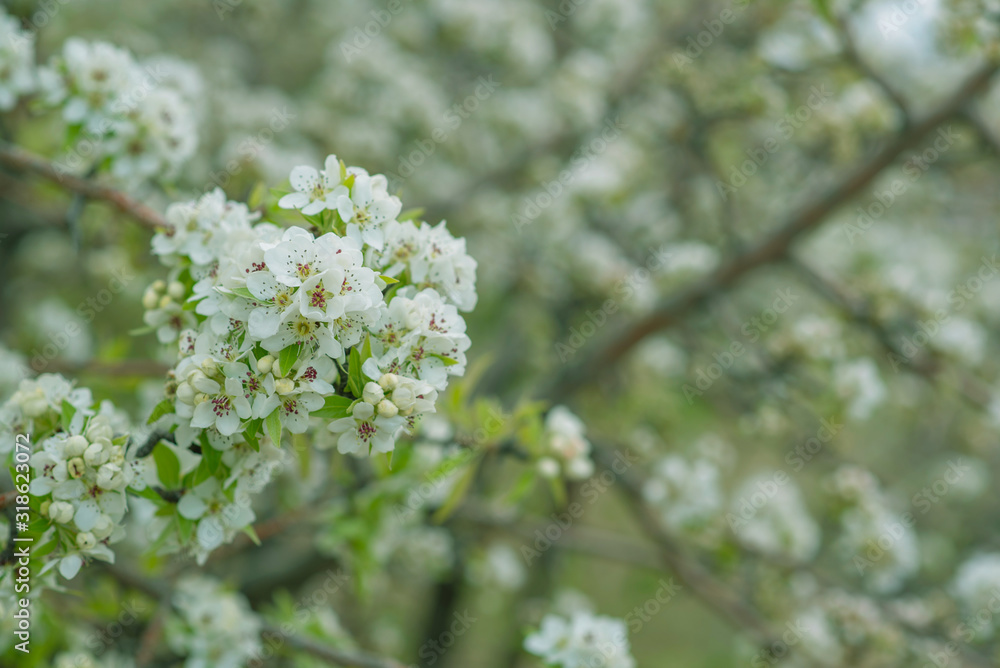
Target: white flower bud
x,y
103,527
61,512
176,290
158,285
372,393
34,404
44,508
75,446
548,467
388,381
95,455
264,363
200,398
284,386
580,468
150,299
85,540
165,302
185,393
108,476
75,467
117,455
100,429
387,409
209,366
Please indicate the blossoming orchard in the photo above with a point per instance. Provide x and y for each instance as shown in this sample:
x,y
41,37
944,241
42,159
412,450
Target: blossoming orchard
x,y
506,334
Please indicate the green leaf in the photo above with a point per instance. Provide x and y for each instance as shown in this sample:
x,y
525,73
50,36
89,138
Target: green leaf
x,y
447,360
355,379
410,214
251,432
141,331
334,408
68,411
243,292
287,359
823,7
185,528
252,533
273,426
389,280
163,408
458,493
168,467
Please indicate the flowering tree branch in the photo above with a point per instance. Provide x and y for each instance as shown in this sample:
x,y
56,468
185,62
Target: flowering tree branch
x,y
20,160
774,248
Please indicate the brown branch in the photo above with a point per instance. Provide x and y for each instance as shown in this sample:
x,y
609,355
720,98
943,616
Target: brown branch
x,y
773,248
20,160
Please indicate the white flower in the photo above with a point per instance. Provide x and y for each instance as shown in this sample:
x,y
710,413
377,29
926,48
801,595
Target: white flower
x,y
368,206
772,518
688,494
315,191
582,641
224,407
213,628
17,61
365,431
564,433
859,382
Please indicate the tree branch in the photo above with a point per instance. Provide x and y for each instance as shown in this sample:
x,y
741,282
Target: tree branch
x,y
20,160
773,248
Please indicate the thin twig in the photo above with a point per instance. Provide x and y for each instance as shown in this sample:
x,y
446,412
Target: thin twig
x,y
21,160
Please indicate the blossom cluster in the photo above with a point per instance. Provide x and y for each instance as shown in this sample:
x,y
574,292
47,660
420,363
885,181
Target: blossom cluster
x,y
582,640
352,325
121,115
81,469
213,628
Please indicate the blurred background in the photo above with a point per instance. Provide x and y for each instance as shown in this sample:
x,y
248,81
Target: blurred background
x,y
827,398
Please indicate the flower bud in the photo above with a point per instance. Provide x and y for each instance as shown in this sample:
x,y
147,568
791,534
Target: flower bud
x,y
61,512
372,393
75,467
85,540
548,467
284,386
103,527
200,398
165,302
158,285
150,299
44,508
108,476
176,290
95,455
75,445
264,363
387,409
388,381
185,394
209,366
